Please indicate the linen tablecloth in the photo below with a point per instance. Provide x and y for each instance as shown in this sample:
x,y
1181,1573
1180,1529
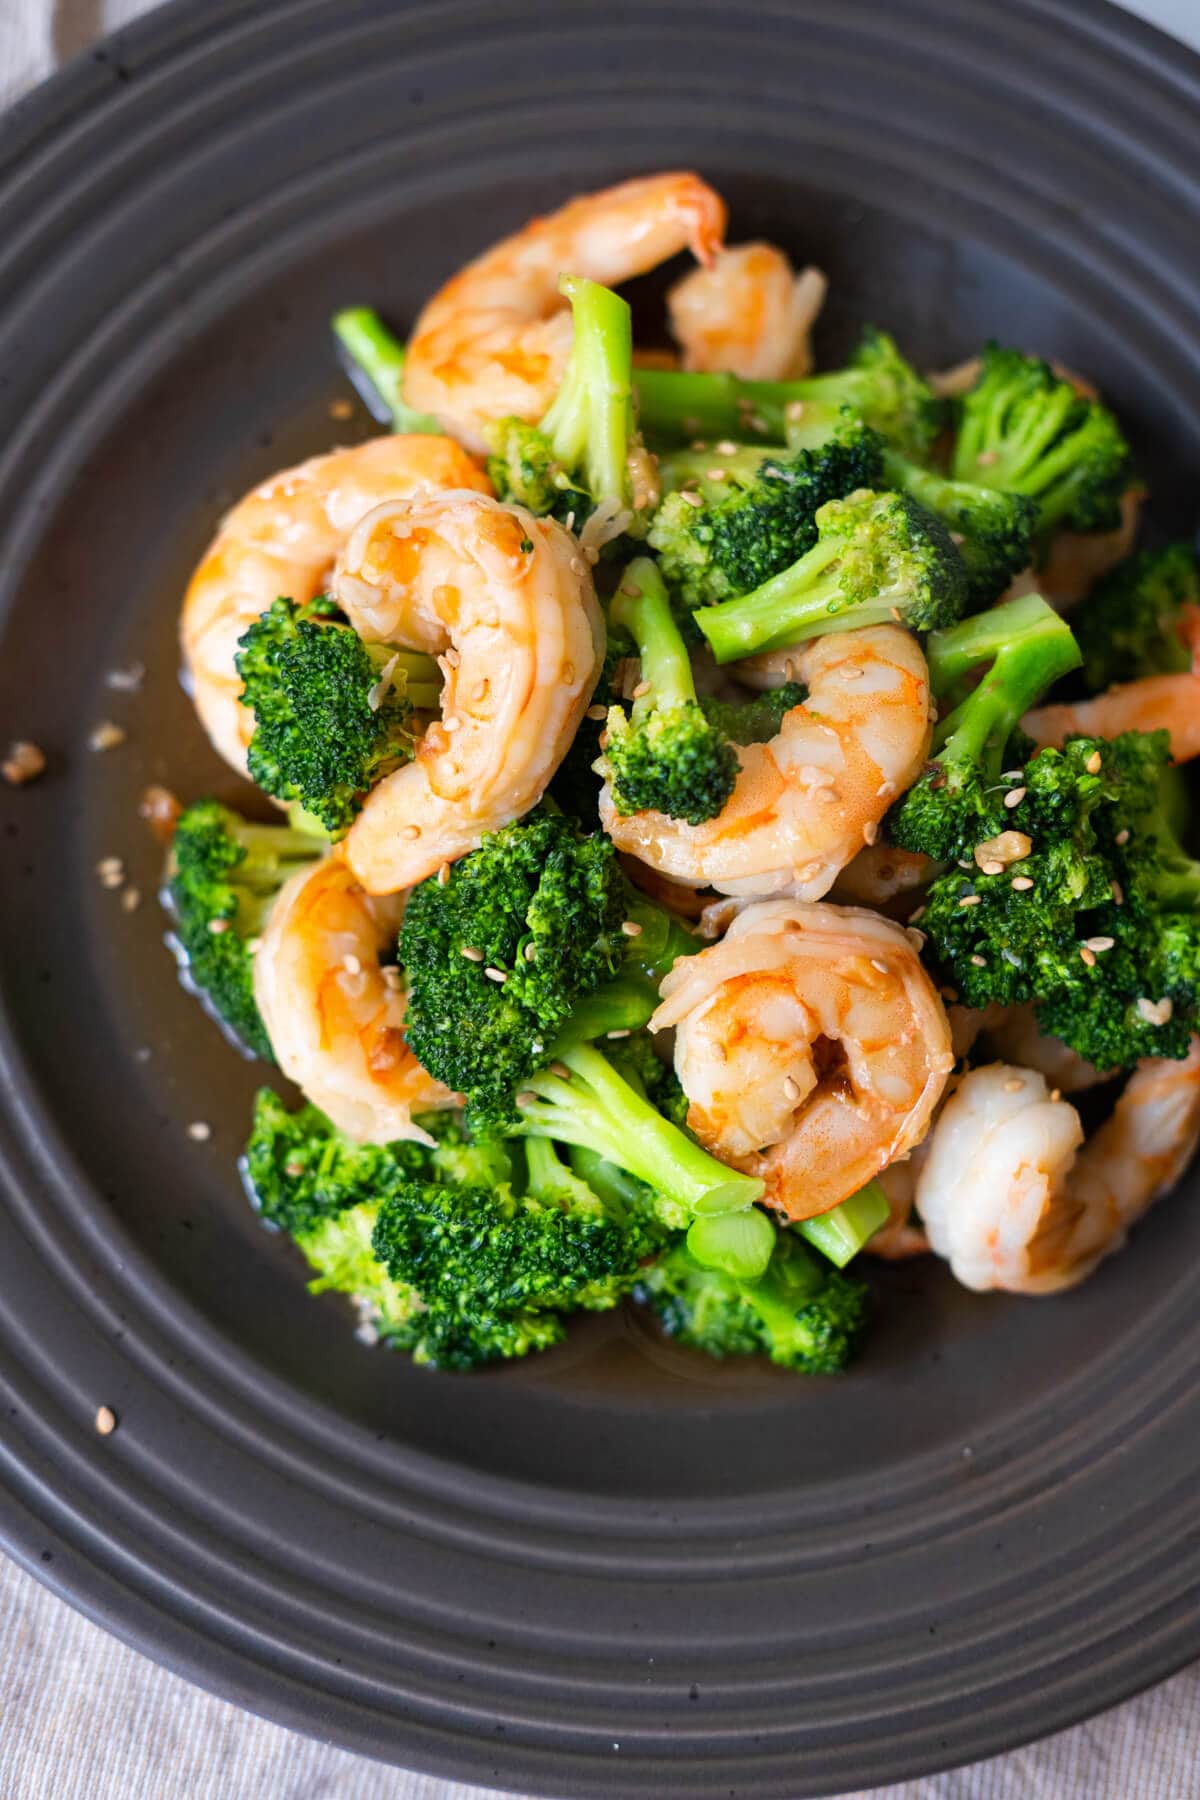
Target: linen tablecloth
x,y
84,1718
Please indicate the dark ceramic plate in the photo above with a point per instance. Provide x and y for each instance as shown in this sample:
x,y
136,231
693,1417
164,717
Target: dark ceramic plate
x,y
615,1570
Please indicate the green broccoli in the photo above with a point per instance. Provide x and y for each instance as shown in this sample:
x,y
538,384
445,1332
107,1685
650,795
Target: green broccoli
x,y
960,798
374,361
878,558
223,875
993,530
1142,618
664,755
332,715
736,514
579,454
1026,431
878,384
801,1314
756,719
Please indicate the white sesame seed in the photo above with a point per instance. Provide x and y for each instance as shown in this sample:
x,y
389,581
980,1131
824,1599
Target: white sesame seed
x,y
880,966
105,1421
199,1131
470,954
987,458
531,953
1122,837
1099,944
691,497
1118,894
443,874
597,713
642,688
111,871
980,962
24,762
1088,956
970,900
218,927
1022,883
992,868
631,589
126,681
725,447
105,736
1014,1086
870,831
791,1089
1014,797
1155,1012
631,928
131,899
497,975
561,1070
852,672
622,1033
351,964
453,723
453,657
715,474
526,1097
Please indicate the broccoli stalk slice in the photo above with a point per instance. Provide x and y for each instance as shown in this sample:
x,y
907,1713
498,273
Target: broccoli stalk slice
x,y
666,756
877,558
374,361
840,1233
740,1243
590,420
1029,647
597,1109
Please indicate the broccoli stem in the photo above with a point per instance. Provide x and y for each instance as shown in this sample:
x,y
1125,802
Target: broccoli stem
x,y
783,1289
374,361
422,679
590,418
1174,878
599,1110
841,1233
641,607
740,1243
1029,648
800,602
676,407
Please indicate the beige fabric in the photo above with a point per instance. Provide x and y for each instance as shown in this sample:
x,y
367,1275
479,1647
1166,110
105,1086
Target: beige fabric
x,y
83,1718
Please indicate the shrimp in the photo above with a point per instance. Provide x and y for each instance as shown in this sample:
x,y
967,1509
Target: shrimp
x,y
283,539
1155,703
805,803
882,875
748,312
493,343
335,1018
813,1031
507,602
1009,1198
900,1237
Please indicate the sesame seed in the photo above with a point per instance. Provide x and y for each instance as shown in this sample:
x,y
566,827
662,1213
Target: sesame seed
x,y
631,928
293,1169
561,1070
443,874
1088,956
470,954
791,1089
970,899
531,953
1013,1087
1014,797
992,868
871,831
851,672
716,474
1155,1012
479,691
453,657
1123,837
632,589
130,900
126,681
1094,763
597,713
410,832
987,458
691,497
1118,894
111,871
340,409
24,762
725,448
453,723
351,964
105,736
568,674
105,1421
526,1097
498,975
1056,1095
1022,883
896,613
885,790
1012,775
980,962
1099,944
199,1131
881,966
916,938
758,423
642,688
622,1033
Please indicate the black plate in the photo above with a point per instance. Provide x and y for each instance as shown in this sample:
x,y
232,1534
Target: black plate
x,y
616,1569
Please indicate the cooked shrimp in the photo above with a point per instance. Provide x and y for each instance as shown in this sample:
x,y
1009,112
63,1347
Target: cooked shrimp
x,y
283,539
813,1031
1155,703
1075,560
900,1237
494,341
507,601
881,874
1010,1200
748,312
805,803
1017,1037
334,1018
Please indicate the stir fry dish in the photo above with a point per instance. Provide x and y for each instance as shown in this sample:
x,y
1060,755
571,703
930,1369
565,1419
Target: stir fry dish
x,y
720,814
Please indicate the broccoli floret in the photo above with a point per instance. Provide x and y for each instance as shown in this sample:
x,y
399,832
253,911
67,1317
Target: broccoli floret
x,y
223,875
374,361
757,719
579,454
1142,618
538,903
993,530
878,558
735,515
959,799
332,715
1024,430
665,755
878,385
803,1315
340,1251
